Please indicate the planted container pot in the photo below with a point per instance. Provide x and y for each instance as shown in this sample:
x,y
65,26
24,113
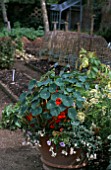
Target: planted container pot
x,y
76,159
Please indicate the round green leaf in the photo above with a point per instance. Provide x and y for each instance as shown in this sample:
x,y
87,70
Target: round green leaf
x,y
44,94
51,104
55,111
22,97
67,101
55,96
34,104
52,88
32,84
72,113
46,115
59,82
62,107
36,111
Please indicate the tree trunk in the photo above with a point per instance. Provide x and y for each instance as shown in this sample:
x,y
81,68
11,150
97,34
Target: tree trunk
x,y
45,16
5,18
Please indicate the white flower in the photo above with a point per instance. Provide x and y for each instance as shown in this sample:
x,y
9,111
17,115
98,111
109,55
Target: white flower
x,y
74,152
41,133
49,143
64,152
24,143
54,154
71,151
75,144
51,149
96,87
91,156
78,159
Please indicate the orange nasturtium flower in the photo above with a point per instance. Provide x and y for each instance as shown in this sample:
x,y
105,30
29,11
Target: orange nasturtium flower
x,y
29,117
58,101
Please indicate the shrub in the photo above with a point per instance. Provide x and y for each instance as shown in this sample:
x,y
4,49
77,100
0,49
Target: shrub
x,y
18,32
7,50
10,118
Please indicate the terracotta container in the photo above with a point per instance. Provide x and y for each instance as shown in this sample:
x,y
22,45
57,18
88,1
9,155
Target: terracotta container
x,y
61,162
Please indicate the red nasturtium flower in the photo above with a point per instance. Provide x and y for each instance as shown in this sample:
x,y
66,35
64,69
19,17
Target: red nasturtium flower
x,y
52,126
57,120
58,101
62,115
29,117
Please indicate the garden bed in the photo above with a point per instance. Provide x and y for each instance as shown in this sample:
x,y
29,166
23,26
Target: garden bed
x,y
17,86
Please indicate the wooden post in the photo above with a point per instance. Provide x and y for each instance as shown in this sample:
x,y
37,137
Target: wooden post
x,y
66,26
92,24
79,31
55,25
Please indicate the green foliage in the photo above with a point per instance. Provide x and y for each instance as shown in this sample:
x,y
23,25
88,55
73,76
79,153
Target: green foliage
x,y
72,108
7,51
18,32
10,117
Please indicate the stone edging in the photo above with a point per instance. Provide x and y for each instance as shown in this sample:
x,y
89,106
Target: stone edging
x,y
33,67
8,92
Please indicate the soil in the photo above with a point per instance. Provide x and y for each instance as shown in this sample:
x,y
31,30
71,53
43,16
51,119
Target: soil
x,y
14,155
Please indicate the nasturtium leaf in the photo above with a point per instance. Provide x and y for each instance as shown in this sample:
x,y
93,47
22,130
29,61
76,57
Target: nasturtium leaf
x,y
39,84
67,101
35,98
55,111
55,96
44,94
78,84
47,81
62,107
81,99
62,88
59,82
22,97
32,84
24,109
70,89
36,111
51,104
73,80
46,115
72,113
87,86
82,78
76,94
65,75
79,104
52,88
34,104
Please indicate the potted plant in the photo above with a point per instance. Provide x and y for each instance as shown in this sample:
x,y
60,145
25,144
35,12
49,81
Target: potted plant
x,y
68,115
